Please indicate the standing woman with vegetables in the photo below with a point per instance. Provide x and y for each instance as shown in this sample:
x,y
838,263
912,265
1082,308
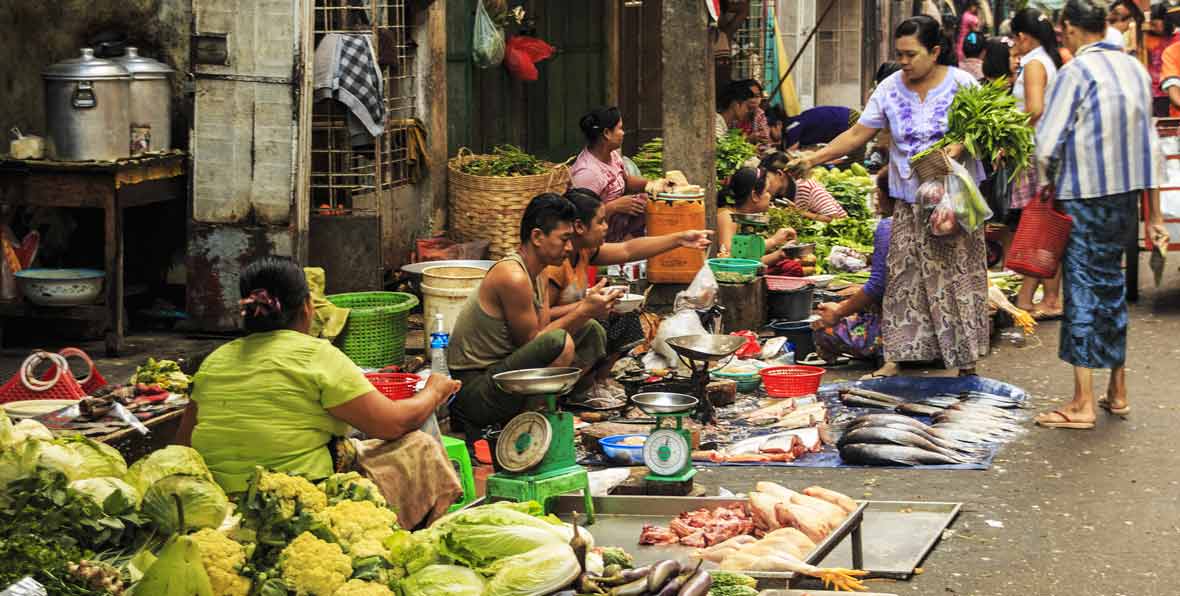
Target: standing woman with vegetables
x,y
935,304
599,167
1036,44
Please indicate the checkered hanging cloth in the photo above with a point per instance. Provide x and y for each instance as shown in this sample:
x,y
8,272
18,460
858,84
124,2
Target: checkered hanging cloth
x,y
352,78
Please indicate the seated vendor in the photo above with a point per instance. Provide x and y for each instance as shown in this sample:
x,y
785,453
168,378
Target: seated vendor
x,y
746,193
277,397
817,126
809,197
853,326
569,281
506,325
733,106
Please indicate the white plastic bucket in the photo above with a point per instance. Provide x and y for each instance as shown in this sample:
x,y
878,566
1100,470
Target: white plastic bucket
x,y
445,301
446,276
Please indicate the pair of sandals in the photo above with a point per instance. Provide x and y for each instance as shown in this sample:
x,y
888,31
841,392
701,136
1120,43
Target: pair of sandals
x,y
1069,423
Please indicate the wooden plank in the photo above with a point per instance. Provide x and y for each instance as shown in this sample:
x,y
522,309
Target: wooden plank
x,y
151,192
113,244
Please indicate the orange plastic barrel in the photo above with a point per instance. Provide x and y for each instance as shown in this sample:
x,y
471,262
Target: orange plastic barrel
x,y
668,214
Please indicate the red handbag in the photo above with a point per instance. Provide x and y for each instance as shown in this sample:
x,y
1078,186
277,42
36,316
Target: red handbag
x,y
1040,238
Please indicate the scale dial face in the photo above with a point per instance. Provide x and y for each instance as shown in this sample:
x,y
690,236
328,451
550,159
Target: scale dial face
x,y
666,452
524,442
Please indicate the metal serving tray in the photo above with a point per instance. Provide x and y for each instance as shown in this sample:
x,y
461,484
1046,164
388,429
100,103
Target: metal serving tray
x,y
619,520
898,536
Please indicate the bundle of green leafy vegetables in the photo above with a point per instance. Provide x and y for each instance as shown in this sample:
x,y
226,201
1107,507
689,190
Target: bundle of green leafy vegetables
x,y
986,121
505,161
851,188
732,150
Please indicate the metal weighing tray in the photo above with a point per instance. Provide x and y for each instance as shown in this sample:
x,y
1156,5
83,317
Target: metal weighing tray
x,y
619,520
898,535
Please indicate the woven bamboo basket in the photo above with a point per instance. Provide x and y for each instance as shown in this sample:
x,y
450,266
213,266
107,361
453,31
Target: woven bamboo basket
x,y
490,207
935,165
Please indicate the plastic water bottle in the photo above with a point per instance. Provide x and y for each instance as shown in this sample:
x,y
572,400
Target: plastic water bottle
x,y
439,339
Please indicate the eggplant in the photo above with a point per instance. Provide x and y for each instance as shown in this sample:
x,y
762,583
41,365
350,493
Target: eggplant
x,y
673,587
660,574
635,588
624,576
697,585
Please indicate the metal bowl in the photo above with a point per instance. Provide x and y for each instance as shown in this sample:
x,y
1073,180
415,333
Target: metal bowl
x,y
416,268
706,347
61,287
798,251
664,403
538,381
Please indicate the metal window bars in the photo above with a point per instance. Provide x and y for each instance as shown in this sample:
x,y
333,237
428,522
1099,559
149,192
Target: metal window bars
x,y
346,173
749,44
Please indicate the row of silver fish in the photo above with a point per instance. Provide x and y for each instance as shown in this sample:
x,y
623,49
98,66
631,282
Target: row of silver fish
x,y
959,436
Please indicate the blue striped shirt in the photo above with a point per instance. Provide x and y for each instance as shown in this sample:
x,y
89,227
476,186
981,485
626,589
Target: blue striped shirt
x,y
1096,136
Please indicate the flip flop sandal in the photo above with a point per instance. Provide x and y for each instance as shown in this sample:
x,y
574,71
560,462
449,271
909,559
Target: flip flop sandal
x,y
1104,403
1065,422
1040,315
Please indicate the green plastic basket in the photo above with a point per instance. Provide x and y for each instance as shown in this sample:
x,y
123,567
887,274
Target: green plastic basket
x,y
746,382
375,335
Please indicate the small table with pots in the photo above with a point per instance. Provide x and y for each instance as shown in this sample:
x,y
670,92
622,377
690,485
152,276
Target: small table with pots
x,y
108,185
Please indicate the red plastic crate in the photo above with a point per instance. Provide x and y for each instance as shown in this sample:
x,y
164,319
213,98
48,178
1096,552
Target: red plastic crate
x,y
792,380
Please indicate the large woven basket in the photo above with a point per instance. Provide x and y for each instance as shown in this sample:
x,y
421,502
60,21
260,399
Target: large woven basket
x,y
935,165
375,335
489,207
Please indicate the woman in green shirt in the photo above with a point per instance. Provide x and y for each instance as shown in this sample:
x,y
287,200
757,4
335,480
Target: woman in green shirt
x,y
276,397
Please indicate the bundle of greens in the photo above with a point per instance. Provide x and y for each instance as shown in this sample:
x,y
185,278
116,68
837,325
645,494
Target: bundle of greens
x,y
851,188
854,233
986,121
164,373
732,150
505,161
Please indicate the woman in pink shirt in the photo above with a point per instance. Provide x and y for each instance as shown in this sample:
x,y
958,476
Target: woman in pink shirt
x,y
599,167
967,23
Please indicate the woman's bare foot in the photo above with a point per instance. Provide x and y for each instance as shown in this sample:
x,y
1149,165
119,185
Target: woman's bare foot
x,y
890,369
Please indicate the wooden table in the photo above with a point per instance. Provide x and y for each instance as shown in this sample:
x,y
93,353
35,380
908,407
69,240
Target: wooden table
x,y
110,186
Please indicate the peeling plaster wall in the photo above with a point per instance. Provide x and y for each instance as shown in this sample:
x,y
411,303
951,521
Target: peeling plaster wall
x,y
37,34
216,256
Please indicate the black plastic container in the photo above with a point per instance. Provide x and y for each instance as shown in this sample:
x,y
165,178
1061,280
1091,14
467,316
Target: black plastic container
x,y
790,305
798,333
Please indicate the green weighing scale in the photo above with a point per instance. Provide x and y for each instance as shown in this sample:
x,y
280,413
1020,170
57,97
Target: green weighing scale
x,y
536,449
667,452
748,242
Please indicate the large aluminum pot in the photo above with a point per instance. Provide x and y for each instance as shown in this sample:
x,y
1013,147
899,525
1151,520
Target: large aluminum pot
x,y
151,102
86,109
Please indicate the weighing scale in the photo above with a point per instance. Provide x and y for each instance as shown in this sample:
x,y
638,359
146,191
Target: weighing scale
x,y
536,449
697,351
748,242
667,452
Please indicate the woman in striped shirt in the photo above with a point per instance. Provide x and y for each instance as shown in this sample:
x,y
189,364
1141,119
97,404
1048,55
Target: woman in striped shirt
x,y
808,196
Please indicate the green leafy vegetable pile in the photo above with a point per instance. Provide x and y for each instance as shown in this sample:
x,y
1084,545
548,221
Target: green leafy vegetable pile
x,y
851,188
853,233
987,122
732,151
165,373
505,161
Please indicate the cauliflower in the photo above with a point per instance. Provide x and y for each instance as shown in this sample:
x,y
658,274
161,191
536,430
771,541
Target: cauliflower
x,y
351,486
292,490
223,559
356,587
311,567
359,527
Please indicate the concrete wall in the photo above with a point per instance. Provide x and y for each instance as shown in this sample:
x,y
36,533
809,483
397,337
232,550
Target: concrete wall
x,y
37,34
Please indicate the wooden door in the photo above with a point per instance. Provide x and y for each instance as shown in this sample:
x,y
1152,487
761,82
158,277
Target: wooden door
x,y
640,88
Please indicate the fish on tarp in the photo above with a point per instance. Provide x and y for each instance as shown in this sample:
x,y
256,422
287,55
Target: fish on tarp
x,y
917,409
999,413
929,435
883,435
977,419
968,434
858,401
876,418
892,455
940,401
869,394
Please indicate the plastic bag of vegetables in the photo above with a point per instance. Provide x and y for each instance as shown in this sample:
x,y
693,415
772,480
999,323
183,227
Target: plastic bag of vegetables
x,y
936,203
971,209
487,43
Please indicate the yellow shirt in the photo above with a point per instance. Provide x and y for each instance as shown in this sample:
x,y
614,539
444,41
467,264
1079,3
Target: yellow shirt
x,y
263,400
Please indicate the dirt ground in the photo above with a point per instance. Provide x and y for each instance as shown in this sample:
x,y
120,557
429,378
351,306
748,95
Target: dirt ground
x,y
1082,512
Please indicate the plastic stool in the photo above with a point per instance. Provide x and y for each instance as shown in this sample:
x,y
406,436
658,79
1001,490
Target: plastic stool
x,y
461,460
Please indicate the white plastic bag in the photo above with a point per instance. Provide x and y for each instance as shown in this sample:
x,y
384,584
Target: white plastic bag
x,y
701,293
936,203
684,322
487,40
971,209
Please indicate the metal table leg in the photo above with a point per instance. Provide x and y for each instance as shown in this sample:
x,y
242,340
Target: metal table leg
x,y
857,552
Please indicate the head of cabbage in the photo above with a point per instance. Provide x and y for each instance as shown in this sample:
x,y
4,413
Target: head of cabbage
x,y
112,494
443,580
481,536
98,459
201,501
173,459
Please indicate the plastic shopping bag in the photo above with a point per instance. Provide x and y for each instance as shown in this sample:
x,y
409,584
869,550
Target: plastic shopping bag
x,y
936,204
487,42
971,209
701,293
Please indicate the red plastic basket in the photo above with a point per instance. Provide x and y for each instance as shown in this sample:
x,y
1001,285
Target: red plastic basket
x,y
784,283
90,383
1040,239
64,387
792,380
395,386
